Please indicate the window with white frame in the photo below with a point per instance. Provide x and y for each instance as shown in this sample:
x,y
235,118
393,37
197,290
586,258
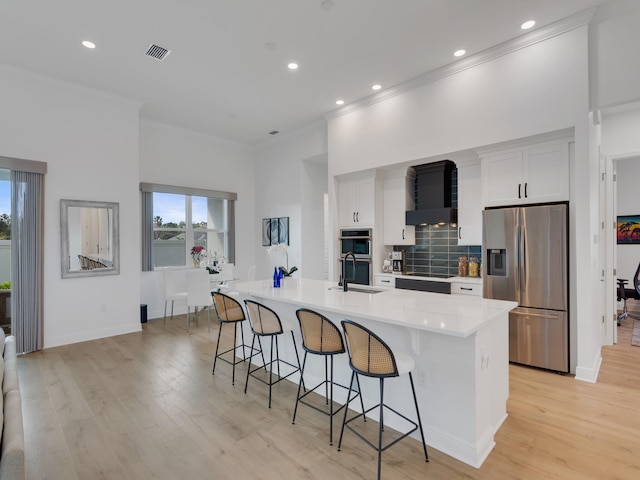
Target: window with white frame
x,y
182,218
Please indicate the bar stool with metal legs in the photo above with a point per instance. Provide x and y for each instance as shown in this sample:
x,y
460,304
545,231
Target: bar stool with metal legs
x,y
320,337
266,323
369,355
229,311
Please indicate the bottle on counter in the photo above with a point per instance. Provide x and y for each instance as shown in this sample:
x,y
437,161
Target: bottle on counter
x,y
276,278
474,268
463,266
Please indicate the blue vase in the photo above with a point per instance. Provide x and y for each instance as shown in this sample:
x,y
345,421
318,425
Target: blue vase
x,y
276,278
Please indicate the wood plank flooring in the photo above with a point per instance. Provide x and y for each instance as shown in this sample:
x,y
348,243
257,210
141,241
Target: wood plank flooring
x,y
145,405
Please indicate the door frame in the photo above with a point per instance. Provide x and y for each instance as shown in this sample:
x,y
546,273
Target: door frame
x,y
608,242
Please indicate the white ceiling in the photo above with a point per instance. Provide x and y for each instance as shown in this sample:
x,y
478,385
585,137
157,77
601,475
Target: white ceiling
x,y
221,78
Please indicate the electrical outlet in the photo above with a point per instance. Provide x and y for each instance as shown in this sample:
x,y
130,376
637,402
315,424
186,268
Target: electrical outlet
x,y
422,378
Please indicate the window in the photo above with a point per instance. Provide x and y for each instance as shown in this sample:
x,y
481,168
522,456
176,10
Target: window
x,y
184,217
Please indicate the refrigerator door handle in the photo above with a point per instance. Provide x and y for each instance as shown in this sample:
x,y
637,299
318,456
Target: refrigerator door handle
x,y
523,259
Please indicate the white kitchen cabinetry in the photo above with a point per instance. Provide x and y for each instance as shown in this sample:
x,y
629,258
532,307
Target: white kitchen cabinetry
x,y
469,205
356,200
463,288
531,174
397,200
382,280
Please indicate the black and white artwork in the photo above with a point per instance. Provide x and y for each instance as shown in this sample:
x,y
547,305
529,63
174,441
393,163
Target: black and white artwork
x,y
275,230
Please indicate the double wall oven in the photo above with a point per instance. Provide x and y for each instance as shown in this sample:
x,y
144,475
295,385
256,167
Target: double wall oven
x,y
358,242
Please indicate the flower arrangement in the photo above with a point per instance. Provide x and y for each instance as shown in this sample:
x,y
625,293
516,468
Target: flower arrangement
x,y
197,252
283,247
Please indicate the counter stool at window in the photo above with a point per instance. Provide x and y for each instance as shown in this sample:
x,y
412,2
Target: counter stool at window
x,y
229,311
369,355
320,337
266,323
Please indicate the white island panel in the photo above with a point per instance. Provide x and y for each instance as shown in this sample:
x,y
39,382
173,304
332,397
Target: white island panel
x,y
459,343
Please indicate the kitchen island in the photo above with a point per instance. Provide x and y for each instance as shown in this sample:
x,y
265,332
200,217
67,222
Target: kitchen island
x,y
459,343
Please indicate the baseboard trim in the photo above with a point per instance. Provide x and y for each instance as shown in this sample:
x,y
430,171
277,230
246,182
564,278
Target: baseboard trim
x,y
91,335
590,374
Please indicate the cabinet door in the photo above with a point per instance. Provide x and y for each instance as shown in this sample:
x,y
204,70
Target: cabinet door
x,y
347,204
546,173
502,179
365,202
397,200
469,205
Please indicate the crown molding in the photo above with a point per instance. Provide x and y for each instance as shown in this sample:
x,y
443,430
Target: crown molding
x,y
540,35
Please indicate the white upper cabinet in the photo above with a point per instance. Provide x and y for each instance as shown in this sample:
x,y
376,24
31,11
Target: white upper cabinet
x,y
398,199
469,205
356,202
530,174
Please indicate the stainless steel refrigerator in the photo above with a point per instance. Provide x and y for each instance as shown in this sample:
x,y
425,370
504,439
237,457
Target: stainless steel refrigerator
x,y
526,261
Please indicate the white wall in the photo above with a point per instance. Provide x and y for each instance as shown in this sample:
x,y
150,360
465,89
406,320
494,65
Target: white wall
x,y
616,36
173,156
534,90
507,98
280,180
314,186
90,144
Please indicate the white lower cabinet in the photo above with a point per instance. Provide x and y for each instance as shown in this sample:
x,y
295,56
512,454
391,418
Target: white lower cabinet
x,y
382,280
463,288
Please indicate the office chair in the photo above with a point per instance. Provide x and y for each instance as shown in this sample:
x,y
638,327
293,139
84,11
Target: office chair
x,y
625,293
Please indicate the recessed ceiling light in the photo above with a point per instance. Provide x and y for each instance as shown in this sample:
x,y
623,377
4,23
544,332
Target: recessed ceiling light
x,y
459,53
326,5
89,44
293,66
339,102
528,24
376,87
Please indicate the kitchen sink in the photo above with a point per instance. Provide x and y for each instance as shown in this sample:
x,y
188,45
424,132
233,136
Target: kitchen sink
x,y
359,289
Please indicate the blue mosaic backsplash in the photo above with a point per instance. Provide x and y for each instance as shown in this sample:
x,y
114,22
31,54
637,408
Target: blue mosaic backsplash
x,y
437,251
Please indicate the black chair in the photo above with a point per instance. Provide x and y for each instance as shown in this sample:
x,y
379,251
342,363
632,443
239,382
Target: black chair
x,y
320,337
266,323
370,356
229,311
626,293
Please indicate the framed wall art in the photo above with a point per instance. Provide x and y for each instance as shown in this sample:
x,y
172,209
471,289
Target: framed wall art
x,y
275,230
628,229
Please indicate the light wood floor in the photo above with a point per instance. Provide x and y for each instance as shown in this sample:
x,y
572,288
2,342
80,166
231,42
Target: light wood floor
x,y
145,405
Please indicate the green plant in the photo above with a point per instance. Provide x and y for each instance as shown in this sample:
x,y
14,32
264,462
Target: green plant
x,y
5,286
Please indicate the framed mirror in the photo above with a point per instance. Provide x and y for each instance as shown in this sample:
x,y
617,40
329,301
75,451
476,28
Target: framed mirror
x,y
90,238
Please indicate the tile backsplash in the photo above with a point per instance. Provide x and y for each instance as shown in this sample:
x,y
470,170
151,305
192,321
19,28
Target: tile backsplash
x,y
436,252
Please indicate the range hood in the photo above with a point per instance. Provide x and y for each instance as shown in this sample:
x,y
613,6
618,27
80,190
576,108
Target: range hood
x,y
433,195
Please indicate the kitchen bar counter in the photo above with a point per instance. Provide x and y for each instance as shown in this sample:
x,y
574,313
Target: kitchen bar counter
x,y
459,343
458,315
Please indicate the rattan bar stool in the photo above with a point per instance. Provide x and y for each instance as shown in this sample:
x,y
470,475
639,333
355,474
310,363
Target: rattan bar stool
x,y
320,337
369,355
229,311
266,323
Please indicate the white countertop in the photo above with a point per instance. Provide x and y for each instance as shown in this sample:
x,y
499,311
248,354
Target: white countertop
x,y
456,315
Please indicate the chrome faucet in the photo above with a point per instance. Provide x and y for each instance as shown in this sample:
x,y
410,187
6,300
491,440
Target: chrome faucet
x,y
344,269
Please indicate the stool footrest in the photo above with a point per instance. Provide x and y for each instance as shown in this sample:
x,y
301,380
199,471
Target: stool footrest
x,y
390,444
240,359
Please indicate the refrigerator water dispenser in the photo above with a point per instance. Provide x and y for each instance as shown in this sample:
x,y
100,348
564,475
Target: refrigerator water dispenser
x,y
497,264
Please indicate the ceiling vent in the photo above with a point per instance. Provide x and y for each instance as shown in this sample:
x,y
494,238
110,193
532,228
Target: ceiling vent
x,y
157,52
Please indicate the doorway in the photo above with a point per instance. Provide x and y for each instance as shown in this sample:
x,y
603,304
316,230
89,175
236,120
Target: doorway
x,y
621,174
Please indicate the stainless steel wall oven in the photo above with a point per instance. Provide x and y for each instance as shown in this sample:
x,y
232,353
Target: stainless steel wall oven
x,y
358,242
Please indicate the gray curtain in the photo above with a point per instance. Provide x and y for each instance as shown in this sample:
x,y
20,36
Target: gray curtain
x,y
147,231
26,259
